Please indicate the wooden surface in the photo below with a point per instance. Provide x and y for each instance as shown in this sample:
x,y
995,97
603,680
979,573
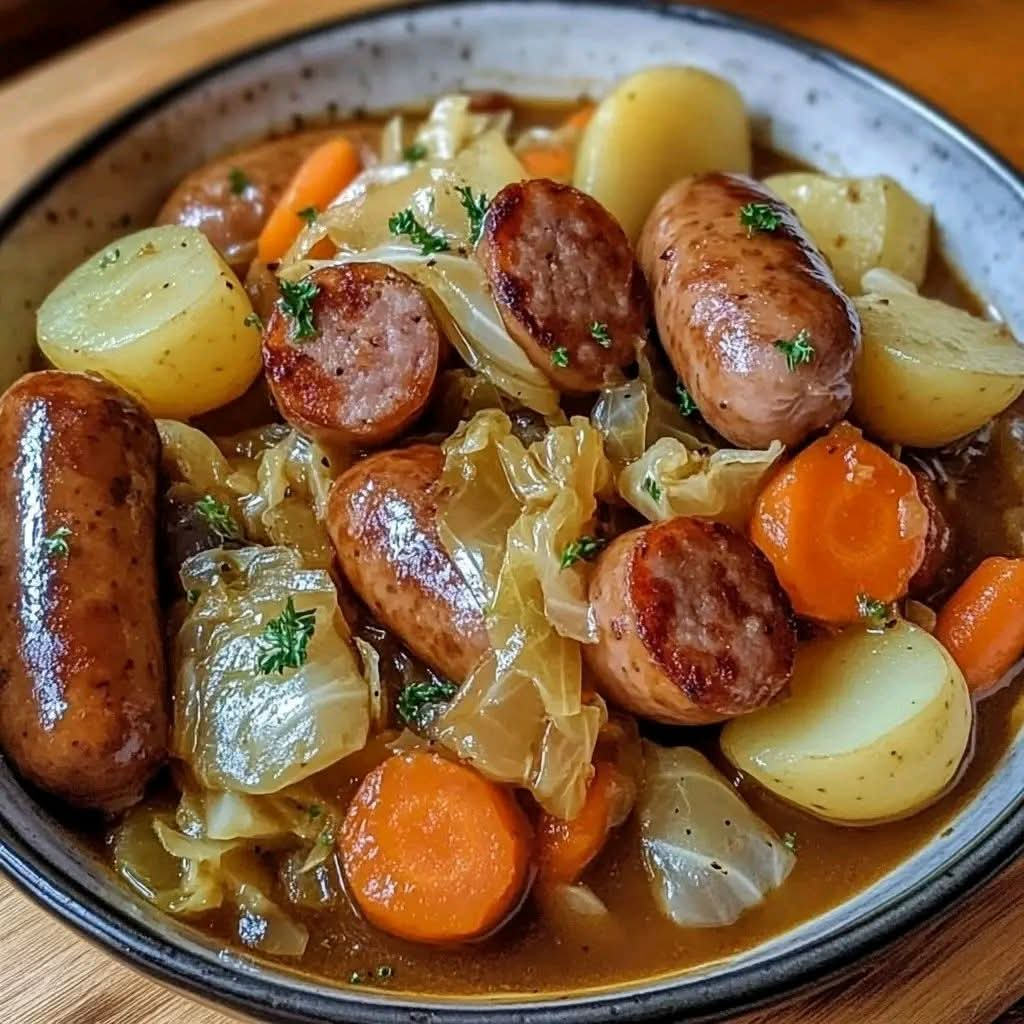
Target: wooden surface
x,y
962,54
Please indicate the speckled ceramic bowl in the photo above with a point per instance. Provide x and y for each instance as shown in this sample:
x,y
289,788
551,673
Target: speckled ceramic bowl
x,y
805,101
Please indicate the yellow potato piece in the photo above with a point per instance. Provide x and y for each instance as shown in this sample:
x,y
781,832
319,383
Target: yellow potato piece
x,y
654,128
160,314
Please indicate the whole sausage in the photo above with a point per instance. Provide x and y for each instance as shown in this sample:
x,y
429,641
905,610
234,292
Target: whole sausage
x,y
368,369
83,689
382,518
565,281
752,320
693,626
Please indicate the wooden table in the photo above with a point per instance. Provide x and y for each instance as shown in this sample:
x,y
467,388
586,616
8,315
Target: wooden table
x,y
962,54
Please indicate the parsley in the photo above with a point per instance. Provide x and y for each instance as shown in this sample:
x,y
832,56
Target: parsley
x,y
285,639
797,350
687,406
476,210
56,545
560,357
108,259
314,811
296,303
652,487
254,320
405,223
416,700
355,978
309,214
191,596
584,549
326,838
238,180
599,332
872,611
384,972
414,152
789,841
759,217
218,517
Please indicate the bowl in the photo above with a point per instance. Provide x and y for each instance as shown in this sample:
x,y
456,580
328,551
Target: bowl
x,y
805,101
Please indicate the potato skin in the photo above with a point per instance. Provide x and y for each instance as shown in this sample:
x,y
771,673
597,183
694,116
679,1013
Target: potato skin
x,y
83,689
723,300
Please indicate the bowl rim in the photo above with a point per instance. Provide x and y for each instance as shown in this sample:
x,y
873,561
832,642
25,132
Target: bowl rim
x,y
709,998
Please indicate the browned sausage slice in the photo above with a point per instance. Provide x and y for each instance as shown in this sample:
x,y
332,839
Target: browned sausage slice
x,y
382,518
693,626
565,281
83,690
935,569
731,301
368,371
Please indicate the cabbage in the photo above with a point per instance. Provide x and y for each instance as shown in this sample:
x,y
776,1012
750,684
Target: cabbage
x,y
188,456
241,729
709,857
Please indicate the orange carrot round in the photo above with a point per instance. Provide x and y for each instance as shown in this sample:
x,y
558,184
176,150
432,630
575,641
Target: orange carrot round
x,y
555,159
843,525
982,624
433,851
322,175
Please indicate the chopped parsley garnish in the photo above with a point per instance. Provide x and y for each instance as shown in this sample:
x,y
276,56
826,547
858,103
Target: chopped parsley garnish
x,y
384,972
797,350
687,406
872,611
789,841
355,978
191,596
416,701
238,181
476,210
218,517
405,223
414,152
652,487
582,549
254,320
296,303
314,811
309,214
326,838
109,258
285,639
599,332
560,357
56,544
759,217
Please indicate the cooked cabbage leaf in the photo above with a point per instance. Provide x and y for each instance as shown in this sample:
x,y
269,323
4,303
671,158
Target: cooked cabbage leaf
x,y
709,857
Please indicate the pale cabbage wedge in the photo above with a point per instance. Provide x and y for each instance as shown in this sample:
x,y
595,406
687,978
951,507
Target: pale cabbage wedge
x,y
859,223
876,727
709,857
241,729
511,513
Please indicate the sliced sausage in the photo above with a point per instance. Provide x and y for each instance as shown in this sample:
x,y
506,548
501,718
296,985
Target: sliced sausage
x,y
565,281
934,570
368,370
382,518
83,689
693,626
752,321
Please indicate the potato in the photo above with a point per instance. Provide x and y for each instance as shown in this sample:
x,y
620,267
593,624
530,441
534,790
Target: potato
x,y
654,128
876,727
162,315
929,373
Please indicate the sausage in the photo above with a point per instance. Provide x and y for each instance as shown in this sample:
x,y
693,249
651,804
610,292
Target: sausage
x,y
369,370
723,301
382,518
564,277
692,624
83,688
933,573
231,198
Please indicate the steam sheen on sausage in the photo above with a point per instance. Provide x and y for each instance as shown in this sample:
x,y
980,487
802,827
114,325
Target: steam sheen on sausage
x,y
565,281
382,518
693,626
83,692
729,299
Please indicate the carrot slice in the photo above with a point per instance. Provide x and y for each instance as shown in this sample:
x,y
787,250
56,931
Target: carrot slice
x,y
843,525
322,175
555,160
982,624
433,851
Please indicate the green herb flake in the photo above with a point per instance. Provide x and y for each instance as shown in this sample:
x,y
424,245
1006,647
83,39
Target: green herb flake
x,y
309,214
414,153
218,517
798,350
651,487
789,841
560,357
296,303
191,596
873,611
759,217
599,332
416,700
385,972
582,549
326,838
285,640
476,210
355,978
405,223
254,320
109,258
684,400
238,181
56,544
314,811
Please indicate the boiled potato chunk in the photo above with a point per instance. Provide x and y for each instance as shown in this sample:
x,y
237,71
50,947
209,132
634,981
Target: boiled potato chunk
x,y
929,373
162,315
876,727
859,223
654,128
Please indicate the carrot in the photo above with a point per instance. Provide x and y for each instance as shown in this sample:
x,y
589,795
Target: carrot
x,y
555,159
322,175
565,848
844,527
982,624
433,851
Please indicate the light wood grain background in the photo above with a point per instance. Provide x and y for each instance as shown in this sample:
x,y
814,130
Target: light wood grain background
x,y
964,55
